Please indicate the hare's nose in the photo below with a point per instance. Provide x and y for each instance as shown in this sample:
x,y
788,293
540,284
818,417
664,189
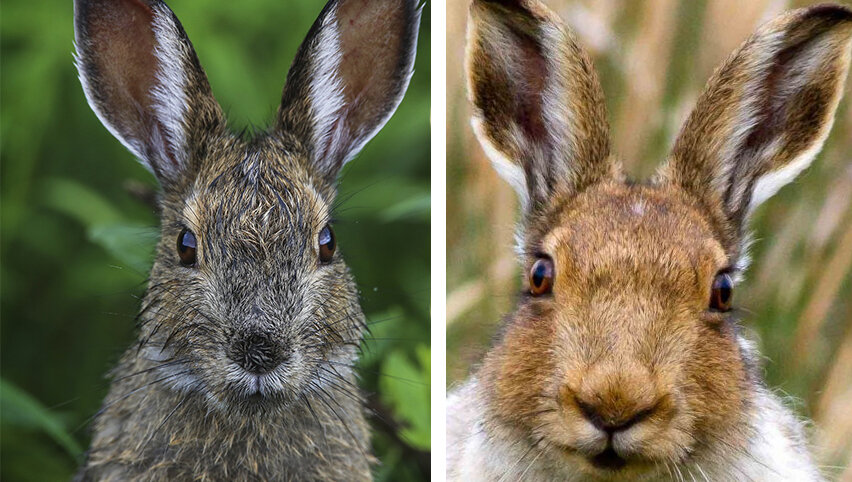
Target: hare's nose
x,y
615,398
256,352
612,421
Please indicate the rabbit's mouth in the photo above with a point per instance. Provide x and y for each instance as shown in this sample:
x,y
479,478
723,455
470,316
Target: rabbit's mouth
x,y
610,463
260,390
608,459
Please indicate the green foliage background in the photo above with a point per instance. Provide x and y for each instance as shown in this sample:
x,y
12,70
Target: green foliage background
x,y
76,245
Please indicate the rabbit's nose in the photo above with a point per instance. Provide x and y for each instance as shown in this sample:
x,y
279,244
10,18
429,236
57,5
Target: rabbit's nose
x,y
256,353
612,421
614,398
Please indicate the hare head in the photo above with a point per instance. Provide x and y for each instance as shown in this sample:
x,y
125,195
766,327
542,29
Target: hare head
x,y
248,297
624,355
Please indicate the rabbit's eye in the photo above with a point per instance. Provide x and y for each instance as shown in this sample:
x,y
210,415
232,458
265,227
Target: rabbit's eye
x,y
326,244
541,277
186,246
722,293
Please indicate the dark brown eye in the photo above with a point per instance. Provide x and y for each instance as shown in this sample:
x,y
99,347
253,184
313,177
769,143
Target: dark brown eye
x,y
186,246
326,244
722,294
541,277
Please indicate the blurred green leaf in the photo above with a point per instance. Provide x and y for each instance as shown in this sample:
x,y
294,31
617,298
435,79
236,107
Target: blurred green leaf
x,y
78,201
18,408
382,337
405,387
415,207
131,244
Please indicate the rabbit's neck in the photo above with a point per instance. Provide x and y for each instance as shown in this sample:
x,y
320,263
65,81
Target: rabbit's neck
x,y
164,433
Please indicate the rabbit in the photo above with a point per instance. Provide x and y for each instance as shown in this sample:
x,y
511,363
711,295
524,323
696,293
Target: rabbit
x,y
244,367
623,359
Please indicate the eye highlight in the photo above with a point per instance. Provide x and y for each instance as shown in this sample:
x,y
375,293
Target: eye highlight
x,y
186,247
541,277
326,243
722,293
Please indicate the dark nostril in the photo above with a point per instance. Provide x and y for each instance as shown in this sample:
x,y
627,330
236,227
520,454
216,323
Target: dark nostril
x,y
611,424
255,353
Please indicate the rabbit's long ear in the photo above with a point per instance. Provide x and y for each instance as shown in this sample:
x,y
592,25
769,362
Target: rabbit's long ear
x,y
143,80
764,114
349,76
538,106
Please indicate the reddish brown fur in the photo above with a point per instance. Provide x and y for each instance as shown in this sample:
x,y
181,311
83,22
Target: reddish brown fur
x,y
626,355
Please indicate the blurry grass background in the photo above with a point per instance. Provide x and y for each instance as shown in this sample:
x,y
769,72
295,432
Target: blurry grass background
x,y
654,58
76,243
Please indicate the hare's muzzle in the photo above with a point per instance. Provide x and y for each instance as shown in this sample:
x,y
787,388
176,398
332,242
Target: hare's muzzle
x,y
622,407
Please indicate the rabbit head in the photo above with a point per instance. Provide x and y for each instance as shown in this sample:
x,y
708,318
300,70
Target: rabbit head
x,y
249,301
623,355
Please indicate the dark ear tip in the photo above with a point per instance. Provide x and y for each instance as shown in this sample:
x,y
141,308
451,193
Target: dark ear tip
x,y
511,5
514,12
829,11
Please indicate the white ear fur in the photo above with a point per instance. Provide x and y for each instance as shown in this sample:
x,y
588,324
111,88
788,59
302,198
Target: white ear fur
x,y
510,171
326,88
770,183
170,98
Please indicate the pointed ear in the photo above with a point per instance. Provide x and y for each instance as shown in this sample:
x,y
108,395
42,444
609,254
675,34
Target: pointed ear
x,y
764,114
348,77
142,79
539,110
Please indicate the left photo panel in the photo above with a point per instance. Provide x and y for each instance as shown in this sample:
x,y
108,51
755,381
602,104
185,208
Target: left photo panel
x,y
215,240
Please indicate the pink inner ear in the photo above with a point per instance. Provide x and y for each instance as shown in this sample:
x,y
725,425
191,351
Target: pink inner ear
x,y
528,102
372,37
510,86
121,45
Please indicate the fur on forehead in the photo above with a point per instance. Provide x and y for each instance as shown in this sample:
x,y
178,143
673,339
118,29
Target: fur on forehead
x,y
636,224
262,195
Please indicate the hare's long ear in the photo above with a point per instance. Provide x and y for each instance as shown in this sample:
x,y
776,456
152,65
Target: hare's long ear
x,y
765,113
538,106
349,76
143,80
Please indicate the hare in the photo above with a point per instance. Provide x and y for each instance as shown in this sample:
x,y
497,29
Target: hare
x,y
623,360
250,326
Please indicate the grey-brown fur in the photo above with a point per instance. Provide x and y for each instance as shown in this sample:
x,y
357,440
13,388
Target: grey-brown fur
x,y
181,406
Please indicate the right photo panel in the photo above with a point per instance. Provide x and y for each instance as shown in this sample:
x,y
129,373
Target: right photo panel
x,y
649,249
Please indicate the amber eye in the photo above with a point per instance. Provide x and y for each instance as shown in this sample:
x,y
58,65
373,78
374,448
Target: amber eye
x,y
722,293
186,246
326,244
541,277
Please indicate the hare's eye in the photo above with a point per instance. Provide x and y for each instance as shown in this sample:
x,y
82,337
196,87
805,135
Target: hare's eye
x,y
541,277
186,246
722,293
326,244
